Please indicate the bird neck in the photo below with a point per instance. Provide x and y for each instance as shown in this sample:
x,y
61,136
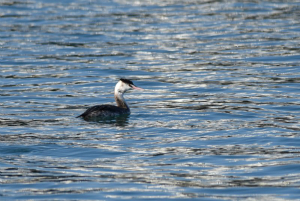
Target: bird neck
x,y
120,100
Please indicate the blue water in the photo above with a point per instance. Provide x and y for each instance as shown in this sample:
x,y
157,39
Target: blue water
x,y
218,119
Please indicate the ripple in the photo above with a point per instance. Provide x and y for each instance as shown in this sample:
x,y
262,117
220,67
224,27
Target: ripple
x,y
218,118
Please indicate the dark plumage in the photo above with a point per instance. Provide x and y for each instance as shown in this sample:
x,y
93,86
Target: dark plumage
x,y
103,111
129,82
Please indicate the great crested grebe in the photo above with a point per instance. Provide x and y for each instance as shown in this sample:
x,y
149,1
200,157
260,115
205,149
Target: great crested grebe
x,y
99,111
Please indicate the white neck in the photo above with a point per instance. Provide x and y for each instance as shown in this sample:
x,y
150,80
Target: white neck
x,y
120,99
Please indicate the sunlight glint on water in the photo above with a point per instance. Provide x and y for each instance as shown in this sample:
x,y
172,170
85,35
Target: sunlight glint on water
x,y
218,118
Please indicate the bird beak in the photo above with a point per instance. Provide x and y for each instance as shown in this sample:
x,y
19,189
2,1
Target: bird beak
x,y
138,88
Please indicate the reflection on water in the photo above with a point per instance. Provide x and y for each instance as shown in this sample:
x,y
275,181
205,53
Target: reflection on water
x,y
219,118
119,120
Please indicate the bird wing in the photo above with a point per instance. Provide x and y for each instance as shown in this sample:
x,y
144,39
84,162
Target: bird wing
x,y
98,109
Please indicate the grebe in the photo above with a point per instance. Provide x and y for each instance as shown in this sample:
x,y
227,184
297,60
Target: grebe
x,y
99,111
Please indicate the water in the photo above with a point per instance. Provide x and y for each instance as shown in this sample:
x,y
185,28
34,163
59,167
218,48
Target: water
x,y
219,119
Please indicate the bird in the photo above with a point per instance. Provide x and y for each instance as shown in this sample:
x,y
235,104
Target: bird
x,y
99,111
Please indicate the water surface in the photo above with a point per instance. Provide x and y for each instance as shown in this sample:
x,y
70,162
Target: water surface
x,y
219,119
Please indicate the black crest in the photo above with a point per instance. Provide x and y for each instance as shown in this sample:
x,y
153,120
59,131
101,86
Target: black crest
x,y
127,81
